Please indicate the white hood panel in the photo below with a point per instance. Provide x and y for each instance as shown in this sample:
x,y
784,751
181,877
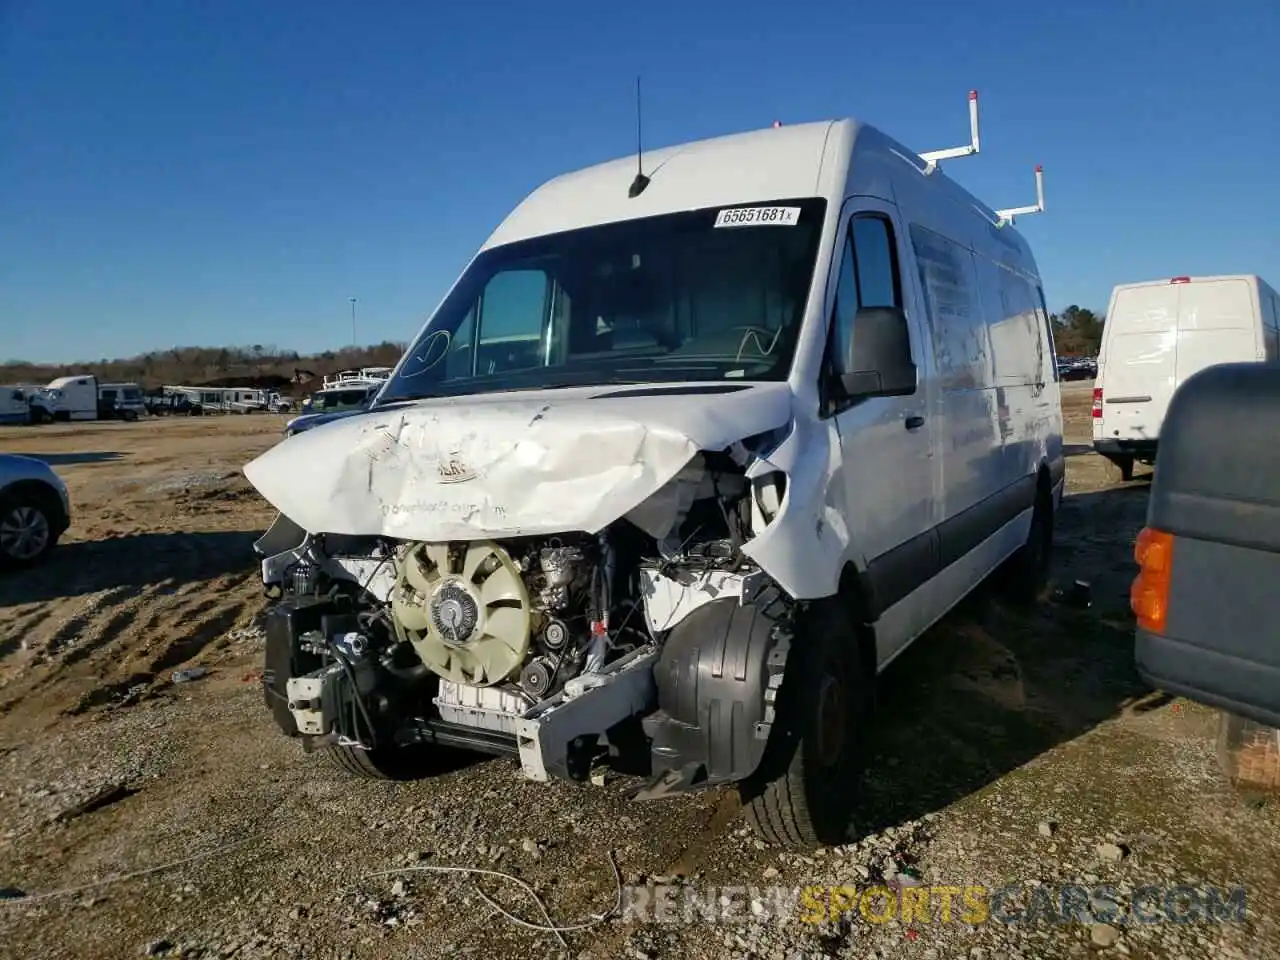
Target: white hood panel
x,y
502,465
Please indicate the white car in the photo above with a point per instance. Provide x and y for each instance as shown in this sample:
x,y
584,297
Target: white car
x,y
35,510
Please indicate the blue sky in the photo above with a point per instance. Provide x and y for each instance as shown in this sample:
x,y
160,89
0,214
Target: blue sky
x,y
210,173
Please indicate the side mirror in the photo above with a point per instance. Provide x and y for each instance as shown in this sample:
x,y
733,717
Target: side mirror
x,y
879,362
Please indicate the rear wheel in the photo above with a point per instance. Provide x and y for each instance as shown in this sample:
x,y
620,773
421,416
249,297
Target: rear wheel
x,y
1119,469
1026,573
805,794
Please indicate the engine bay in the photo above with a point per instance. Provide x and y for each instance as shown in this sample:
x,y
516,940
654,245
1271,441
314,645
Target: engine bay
x,y
543,646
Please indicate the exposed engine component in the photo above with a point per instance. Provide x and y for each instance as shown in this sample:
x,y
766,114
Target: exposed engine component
x,y
536,678
487,708
464,609
554,635
537,645
559,567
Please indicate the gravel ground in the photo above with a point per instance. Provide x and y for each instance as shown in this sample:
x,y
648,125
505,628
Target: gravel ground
x,y
1019,754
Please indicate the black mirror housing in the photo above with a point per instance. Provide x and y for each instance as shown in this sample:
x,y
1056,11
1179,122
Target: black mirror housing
x,y
879,363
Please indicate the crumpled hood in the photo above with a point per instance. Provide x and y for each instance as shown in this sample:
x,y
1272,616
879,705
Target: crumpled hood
x,y
502,465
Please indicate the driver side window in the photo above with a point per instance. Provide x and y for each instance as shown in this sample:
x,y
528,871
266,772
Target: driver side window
x,y
868,278
845,308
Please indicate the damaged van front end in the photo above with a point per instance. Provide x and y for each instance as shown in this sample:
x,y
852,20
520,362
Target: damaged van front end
x,y
550,574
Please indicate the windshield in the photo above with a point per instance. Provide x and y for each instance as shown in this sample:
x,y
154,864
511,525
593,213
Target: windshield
x,y
703,295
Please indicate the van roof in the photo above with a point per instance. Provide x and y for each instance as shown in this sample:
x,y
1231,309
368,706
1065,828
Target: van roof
x,y
1165,281
774,163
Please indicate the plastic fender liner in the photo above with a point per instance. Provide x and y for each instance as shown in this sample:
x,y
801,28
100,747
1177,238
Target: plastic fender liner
x,y
717,677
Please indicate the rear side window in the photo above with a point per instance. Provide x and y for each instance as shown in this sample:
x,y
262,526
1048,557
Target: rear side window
x,y
948,277
1017,345
1048,331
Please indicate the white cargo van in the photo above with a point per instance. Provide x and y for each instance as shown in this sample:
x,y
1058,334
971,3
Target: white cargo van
x,y
680,463
1156,335
15,403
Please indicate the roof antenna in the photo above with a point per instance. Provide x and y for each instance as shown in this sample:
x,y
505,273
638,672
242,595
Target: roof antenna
x,y
641,181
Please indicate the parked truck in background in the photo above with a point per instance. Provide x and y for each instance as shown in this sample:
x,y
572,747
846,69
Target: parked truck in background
x,y
120,401
67,398
1209,558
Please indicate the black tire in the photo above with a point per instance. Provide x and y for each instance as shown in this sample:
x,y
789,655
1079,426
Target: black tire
x,y
804,796
21,509
385,763
1119,469
1026,573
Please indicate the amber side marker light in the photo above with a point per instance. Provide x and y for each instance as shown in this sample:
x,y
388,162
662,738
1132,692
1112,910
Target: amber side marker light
x,y
1149,595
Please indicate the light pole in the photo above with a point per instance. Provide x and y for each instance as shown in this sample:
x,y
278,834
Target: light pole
x,y
353,321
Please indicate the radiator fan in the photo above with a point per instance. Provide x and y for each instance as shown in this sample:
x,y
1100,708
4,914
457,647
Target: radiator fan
x,y
465,610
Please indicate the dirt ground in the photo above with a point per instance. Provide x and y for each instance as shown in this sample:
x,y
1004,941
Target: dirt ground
x,y
139,816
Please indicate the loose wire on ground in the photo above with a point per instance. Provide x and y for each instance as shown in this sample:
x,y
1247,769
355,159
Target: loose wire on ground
x,y
550,926
119,878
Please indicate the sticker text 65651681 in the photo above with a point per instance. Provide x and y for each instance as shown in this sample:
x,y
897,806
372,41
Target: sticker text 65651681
x,y
758,217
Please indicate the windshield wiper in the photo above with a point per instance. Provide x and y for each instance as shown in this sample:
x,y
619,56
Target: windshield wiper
x,y
406,398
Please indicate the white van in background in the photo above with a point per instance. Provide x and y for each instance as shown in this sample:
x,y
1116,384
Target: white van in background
x,y
1157,334
15,402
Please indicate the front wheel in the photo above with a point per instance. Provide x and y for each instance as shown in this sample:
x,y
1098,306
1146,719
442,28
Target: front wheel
x,y
804,795
28,529
382,763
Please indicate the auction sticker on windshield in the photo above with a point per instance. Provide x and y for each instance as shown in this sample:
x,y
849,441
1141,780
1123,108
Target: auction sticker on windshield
x,y
759,216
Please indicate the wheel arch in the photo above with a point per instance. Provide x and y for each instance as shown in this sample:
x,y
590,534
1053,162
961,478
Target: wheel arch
x,y
40,492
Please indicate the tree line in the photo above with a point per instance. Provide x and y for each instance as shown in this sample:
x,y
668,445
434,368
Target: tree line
x,y
1077,331
199,366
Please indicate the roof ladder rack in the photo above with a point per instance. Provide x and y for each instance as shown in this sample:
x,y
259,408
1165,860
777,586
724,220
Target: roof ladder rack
x,y
954,153
1008,216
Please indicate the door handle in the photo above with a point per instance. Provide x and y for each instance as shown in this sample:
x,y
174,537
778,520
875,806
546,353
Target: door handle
x,y
915,423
